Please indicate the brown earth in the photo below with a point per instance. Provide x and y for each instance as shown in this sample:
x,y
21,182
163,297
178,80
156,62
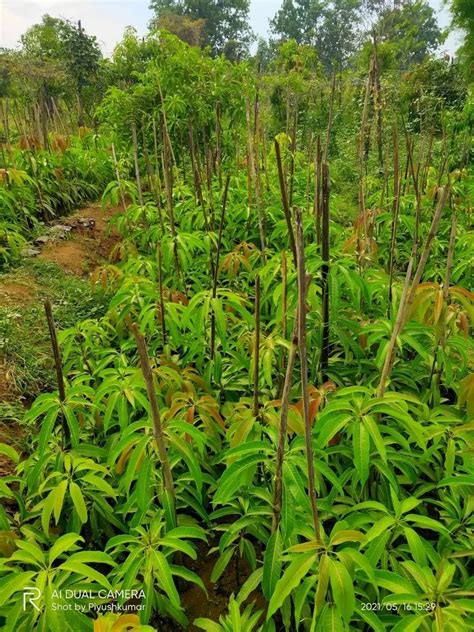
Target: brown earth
x,y
215,604
16,294
88,245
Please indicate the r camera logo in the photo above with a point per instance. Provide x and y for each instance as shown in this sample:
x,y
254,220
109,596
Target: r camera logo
x,y
31,594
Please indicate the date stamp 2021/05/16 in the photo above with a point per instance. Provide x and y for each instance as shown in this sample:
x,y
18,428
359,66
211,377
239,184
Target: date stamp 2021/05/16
x,y
416,606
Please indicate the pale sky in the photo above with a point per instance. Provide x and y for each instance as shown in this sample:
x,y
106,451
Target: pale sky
x,y
106,19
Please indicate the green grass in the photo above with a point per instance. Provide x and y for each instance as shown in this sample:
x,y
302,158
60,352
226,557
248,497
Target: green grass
x,y
24,338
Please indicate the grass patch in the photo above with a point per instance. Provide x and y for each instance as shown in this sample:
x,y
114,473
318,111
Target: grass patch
x,y
24,338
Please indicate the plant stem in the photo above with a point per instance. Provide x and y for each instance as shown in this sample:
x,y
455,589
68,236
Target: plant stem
x,y
325,272
162,301
155,412
302,289
216,265
409,291
284,200
282,430
395,209
59,369
119,181
135,161
256,365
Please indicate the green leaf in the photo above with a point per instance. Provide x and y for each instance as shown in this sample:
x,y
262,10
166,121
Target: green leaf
x,y
330,620
272,564
342,589
291,578
47,511
165,578
220,320
375,436
415,544
393,582
207,624
189,576
233,477
361,440
409,623
78,501
143,485
59,499
92,557
85,572
378,528
64,543
100,484
461,479
250,584
12,583
221,565
10,452
371,619
329,427
426,523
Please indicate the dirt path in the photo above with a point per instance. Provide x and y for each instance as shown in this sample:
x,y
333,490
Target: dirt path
x,y
89,242
78,244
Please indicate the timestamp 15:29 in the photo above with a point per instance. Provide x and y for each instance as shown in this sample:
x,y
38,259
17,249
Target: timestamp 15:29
x,y
399,607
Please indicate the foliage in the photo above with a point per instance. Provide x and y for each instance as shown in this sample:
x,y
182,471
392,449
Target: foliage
x,y
329,27
189,421
412,26
463,19
224,24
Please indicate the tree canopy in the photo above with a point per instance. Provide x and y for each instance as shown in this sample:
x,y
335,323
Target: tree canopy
x,y
224,24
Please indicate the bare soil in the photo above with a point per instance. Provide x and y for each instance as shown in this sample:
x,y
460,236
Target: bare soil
x,y
89,244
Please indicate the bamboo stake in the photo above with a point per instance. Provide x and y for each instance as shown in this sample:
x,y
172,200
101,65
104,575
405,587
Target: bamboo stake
x,y
325,272
135,161
254,182
317,191
66,438
119,180
378,105
442,197
362,140
162,301
291,175
409,291
256,365
302,284
197,175
284,200
331,111
447,280
283,427
158,432
216,265
395,209
157,181
219,144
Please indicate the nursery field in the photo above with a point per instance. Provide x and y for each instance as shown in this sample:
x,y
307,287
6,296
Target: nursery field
x,y
236,354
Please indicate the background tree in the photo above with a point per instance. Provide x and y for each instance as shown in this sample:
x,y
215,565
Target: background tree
x,y
412,27
298,20
188,30
339,35
329,26
225,23
463,18
67,44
